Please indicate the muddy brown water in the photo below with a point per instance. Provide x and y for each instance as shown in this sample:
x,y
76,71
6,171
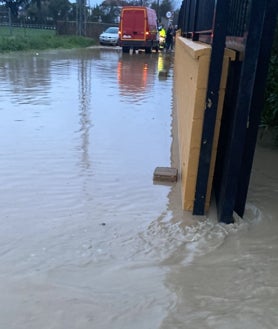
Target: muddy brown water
x,y
87,240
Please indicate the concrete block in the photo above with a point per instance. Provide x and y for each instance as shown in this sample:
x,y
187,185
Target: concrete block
x,y
165,174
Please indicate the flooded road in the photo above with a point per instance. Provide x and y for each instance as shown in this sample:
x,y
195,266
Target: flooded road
x,y
87,240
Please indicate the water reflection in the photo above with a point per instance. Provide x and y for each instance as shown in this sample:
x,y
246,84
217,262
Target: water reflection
x,y
164,64
77,117
85,234
84,92
26,77
136,75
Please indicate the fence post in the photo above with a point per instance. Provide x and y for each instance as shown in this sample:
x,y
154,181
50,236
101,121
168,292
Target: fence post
x,y
195,37
215,71
257,104
233,164
10,21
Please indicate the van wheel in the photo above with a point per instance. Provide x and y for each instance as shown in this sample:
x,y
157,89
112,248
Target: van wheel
x,y
125,49
148,50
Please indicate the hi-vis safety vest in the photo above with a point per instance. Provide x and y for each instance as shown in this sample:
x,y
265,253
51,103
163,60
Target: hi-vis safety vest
x,y
162,33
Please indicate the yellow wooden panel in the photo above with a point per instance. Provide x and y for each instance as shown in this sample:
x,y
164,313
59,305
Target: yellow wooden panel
x,y
192,60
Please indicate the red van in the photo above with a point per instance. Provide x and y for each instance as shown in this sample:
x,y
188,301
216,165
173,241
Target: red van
x,y
138,29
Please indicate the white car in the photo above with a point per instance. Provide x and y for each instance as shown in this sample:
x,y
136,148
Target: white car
x,y
110,36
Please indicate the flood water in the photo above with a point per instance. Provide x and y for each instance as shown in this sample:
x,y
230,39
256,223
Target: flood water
x,y
87,240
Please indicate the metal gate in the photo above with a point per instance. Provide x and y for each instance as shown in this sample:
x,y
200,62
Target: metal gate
x,y
246,26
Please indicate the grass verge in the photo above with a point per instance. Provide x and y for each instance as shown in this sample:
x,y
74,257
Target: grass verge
x,y
19,39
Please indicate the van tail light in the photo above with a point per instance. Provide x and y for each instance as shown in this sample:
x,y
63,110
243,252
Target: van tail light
x,y
147,33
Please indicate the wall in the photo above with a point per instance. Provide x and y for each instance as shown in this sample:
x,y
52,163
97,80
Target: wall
x,y
93,30
192,60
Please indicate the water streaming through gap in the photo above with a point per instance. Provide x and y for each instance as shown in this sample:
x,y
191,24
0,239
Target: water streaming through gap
x,y
87,239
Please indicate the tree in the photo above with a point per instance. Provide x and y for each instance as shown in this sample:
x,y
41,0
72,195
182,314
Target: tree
x,y
37,11
15,5
96,14
109,10
39,8
59,9
163,8
43,11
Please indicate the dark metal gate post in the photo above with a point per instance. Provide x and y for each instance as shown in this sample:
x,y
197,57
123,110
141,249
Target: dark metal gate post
x,y
215,70
256,105
195,37
234,155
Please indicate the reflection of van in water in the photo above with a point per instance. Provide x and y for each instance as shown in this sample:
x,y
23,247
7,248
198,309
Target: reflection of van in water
x,y
138,29
135,75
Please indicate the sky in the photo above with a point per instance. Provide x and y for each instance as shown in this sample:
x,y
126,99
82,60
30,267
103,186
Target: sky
x,y
91,3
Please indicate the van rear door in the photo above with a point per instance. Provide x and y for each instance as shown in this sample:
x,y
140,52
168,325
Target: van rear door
x,y
133,24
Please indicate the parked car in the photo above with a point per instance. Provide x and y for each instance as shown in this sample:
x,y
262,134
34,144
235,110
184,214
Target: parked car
x,y
110,36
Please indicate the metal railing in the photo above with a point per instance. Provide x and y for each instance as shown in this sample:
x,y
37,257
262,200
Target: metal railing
x,y
196,18
29,26
238,14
